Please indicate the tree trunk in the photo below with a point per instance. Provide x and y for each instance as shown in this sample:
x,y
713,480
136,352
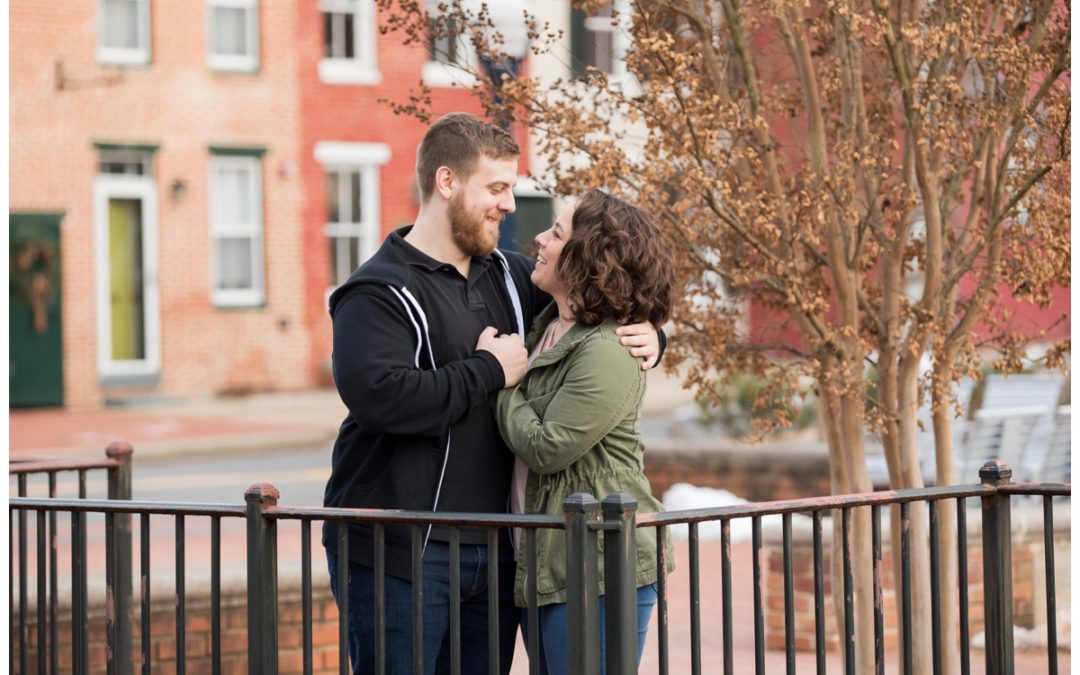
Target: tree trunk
x,y
844,430
918,525
947,552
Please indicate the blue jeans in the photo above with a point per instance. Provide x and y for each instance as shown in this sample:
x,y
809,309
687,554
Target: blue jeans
x,y
436,585
553,631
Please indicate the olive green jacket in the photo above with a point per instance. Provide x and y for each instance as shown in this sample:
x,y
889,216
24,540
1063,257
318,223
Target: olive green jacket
x,y
573,419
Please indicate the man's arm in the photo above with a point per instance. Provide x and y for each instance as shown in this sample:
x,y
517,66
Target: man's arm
x,y
376,374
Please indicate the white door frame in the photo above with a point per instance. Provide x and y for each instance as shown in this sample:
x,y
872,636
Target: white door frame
x,y
127,187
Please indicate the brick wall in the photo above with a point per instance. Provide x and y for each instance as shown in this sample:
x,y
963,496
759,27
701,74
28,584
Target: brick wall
x,y
1028,578
753,472
197,645
178,104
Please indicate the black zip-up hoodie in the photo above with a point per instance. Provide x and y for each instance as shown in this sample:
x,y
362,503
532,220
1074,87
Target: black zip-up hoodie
x,y
392,448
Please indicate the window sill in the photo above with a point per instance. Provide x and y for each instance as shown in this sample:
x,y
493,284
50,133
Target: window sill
x,y
348,71
238,300
232,64
436,74
116,56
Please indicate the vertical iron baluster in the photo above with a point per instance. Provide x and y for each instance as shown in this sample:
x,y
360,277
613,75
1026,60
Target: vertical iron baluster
x,y
181,608
11,584
849,598
789,598
54,650
759,605
112,631
23,628
905,584
144,588
493,600
533,618
695,600
819,597
79,646
962,578
380,599
661,598
343,600
879,603
935,591
418,598
82,483
997,568
41,601
215,595
305,591
455,601
1051,584
725,578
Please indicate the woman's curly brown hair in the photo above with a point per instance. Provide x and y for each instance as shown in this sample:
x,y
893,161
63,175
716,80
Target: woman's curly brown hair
x,y
616,263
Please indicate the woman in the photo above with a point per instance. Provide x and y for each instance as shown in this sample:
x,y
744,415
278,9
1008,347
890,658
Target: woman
x,y
573,420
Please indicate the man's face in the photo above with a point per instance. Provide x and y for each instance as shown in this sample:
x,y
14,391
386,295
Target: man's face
x,y
480,204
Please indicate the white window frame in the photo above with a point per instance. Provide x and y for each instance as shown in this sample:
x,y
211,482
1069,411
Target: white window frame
x,y
233,62
132,56
441,74
111,186
238,297
620,39
365,159
362,68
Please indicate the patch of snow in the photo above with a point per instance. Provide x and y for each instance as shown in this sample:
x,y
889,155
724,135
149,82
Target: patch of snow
x,y
683,496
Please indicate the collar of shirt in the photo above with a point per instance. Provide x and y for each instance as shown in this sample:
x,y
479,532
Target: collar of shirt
x,y
414,256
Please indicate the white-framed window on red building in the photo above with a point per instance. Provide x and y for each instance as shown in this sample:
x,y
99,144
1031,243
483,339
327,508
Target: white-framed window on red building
x,y
236,231
232,35
123,32
449,49
348,35
352,226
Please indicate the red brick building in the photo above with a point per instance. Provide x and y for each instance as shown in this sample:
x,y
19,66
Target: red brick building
x,y
190,180
154,200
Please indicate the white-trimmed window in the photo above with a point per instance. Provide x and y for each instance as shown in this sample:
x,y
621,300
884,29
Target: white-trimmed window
x,y
232,34
601,41
123,31
352,203
449,49
236,231
349,42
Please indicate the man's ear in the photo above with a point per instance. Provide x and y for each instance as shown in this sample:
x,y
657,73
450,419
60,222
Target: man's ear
x,y
445,181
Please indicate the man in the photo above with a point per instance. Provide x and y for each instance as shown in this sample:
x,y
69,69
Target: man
x,y
424,334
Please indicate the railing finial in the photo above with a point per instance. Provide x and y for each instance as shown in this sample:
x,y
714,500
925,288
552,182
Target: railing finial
x,y
995,472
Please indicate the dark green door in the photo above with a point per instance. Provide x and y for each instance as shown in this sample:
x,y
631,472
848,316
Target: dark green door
x,y
36,376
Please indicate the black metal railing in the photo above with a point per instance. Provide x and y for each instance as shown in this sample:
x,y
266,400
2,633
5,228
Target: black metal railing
x,y
117,464
584,522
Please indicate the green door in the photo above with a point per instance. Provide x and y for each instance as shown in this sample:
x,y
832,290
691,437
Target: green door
x,y
36,375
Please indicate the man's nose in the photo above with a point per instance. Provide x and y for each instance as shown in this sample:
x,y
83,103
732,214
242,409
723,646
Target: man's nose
x,y
506,204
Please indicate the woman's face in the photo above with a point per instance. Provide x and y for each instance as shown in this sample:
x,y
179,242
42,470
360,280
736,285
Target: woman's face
x,y
549,245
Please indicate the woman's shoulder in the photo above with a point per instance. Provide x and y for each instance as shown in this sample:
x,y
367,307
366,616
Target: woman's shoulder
x,y
601,343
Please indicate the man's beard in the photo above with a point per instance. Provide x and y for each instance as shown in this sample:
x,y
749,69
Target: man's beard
x,y
470,229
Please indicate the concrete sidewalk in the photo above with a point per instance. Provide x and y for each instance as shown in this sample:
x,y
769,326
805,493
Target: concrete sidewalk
x,y
221,424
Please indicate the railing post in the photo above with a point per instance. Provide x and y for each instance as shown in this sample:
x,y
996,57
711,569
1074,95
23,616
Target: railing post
x,y
582,588
997,570
118,618
262,580
620,592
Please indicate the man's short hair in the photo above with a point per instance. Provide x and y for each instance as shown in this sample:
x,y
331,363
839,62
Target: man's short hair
x,y
457,141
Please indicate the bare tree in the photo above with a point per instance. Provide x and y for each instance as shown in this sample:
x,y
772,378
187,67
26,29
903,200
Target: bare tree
x,y
878,174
